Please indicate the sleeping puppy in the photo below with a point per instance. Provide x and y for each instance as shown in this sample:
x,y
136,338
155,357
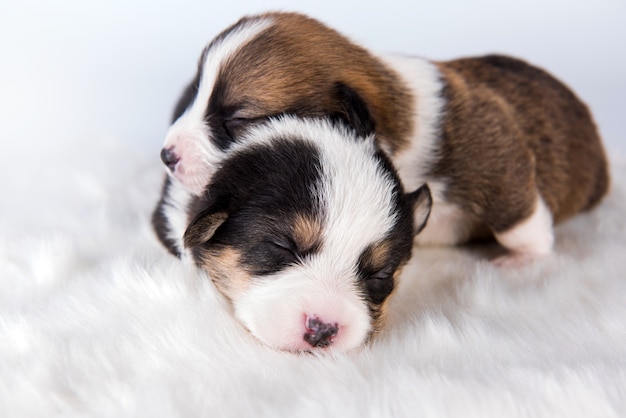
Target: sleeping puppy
x,y
304,229
506,149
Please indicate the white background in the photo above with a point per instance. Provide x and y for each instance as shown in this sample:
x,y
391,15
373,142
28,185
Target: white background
x,y
96,319
82,70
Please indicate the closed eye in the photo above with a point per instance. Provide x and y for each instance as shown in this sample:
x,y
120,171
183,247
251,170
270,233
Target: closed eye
x,y
379,285
286,245
232,126
379,278
273,254
235,126
285,249
384,274
375,279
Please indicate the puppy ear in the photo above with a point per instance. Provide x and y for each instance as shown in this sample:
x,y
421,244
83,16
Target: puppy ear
x,y
203,227
353,110
421,202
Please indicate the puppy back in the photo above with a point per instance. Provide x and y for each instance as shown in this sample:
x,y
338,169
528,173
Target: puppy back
x,y
511,124
295,65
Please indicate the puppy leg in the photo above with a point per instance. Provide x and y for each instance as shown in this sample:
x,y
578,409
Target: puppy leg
x,y
528,239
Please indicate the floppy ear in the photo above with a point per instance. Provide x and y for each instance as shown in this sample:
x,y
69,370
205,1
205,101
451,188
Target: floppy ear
x,y
203,227
353,110
421,202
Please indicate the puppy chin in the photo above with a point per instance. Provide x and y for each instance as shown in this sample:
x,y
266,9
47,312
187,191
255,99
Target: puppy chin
x,y
279,313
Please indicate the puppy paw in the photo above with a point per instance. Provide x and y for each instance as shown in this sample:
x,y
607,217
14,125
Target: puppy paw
x,y
529,239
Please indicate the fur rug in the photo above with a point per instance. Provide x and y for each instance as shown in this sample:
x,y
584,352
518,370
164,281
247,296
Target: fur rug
x,y
96,319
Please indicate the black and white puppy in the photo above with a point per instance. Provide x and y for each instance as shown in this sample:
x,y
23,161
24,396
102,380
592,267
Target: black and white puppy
x,y
506,149
303,228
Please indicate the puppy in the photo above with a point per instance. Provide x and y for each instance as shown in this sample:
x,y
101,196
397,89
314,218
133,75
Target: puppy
x,y
506,149
304,229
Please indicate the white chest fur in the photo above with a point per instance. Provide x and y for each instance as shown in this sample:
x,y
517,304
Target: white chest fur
x,y
447,224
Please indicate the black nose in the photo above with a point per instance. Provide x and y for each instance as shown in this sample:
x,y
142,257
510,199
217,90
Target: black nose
x,y
320,334
169,157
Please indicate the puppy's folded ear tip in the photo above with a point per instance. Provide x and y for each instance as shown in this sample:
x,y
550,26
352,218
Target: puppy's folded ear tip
x,y
203,227
421,202
423,192
354,111
421,196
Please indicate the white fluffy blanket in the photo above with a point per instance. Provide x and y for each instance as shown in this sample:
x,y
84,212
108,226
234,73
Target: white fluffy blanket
x,y
96,319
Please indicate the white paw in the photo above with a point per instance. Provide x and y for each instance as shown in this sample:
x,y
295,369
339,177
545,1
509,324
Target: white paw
x,y
532,236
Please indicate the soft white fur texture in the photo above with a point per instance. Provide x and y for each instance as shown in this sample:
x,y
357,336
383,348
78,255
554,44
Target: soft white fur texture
x,y
96,319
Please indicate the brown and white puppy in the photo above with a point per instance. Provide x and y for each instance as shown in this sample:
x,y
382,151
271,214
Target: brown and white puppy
x,y
506,149
304,229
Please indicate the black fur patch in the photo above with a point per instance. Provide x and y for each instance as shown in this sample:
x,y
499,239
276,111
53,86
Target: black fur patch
x,y
376,273
354,111
160,223
263,189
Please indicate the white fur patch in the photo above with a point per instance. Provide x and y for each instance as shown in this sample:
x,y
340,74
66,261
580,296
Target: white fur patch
x,y
174,209
424,80
447,224
189,135
355,197
532,236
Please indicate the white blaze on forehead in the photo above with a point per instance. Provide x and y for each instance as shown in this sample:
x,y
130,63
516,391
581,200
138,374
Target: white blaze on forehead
x,y
355,198
190,135
218,54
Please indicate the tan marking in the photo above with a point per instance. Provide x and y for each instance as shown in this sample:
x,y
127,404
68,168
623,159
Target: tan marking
x,y
224,268
397,274
307,232
379,254
375,256
379,321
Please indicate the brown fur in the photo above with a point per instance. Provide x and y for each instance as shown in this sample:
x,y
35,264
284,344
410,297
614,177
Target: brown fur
x,y
509,130
375,257
224,268
273,74
307,233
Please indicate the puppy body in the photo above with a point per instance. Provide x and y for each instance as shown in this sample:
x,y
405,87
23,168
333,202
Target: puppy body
x,y
512,152
506,149
303,228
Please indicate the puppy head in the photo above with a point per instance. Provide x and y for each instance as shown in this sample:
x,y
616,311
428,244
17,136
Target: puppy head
x,y
266,65
304,229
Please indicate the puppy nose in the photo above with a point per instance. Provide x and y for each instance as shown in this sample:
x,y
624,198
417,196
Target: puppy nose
x,y
319,333
169,157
